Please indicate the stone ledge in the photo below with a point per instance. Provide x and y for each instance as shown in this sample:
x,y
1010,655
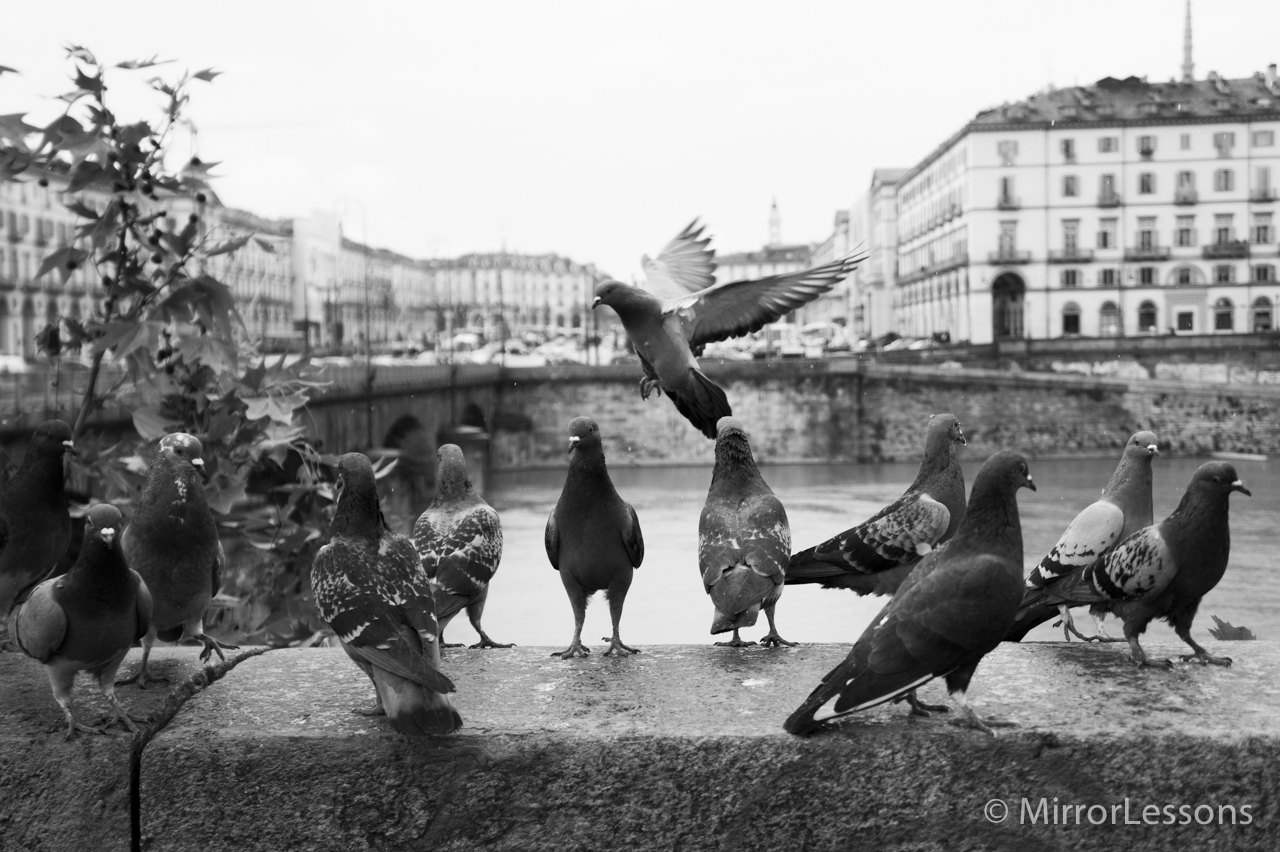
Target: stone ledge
x,y
681,747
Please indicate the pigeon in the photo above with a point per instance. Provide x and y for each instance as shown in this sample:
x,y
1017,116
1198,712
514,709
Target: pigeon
x,y
1123,509
1161,571
87,619
371,589
685,265
956,606
459,540
669,334
35,523
593,537
878,554
172,541
743,540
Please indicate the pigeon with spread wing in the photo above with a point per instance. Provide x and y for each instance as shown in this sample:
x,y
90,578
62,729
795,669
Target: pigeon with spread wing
x,y
685,265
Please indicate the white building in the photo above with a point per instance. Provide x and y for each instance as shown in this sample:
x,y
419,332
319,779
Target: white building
x,y
1121,208
873,228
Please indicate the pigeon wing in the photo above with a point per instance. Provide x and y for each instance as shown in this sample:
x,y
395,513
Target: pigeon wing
x,y
632,538
40,624
144,605
551,540
735,308
463,559
685,265
905,532
1091,534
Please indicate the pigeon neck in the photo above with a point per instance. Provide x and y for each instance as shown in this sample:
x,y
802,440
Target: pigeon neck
x,y
588,466
454,485
1130,490
358,515
939,456
1193,524
39,477
735,466
992,518
169,483
98,573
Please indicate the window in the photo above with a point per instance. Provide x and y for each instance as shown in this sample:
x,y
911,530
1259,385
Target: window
x,y
1109,320
1186,180
1008,237
1108,144
1262,318
1147,316
1264,138
1146,275
1107,186
1262,183
1070,235
1146,146
1106,278
1264,272
1185,233
1070,278
1261,232
1184,141
1146,183
1186,321
1069,150
1224,142
1223,315
1183,275
1146,232
1069,185
1224,273
1006,190
1223,232
1106,233
1070,318
1008,150
1224,180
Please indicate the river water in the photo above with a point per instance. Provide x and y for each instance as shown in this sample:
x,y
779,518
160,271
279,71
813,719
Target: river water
x,y
667,604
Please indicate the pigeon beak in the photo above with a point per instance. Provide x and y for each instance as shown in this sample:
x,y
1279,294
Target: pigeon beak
x,y
960,435
108,534
1155,451
71,448
573,442
199,465
596,302
1238,485
1031,483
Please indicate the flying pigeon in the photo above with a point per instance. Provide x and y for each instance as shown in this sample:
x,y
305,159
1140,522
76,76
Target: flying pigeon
x,y
593,537
1161,571
371,588
87,619
459,539
35,524
685,265
172,541
878,554
1123,509
955,608
743,540
668,335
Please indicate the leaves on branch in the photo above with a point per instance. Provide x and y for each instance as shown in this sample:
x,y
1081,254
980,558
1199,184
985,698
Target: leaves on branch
x,y
206,75
227,246
151,424
65,260
135,64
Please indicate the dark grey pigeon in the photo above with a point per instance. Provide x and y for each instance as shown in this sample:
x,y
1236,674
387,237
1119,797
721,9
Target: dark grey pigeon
x,y
172,541
668,335
371,588
953,610
459,539
1123,509
877,555
35,523
1162,571
593,536
86,620
743,540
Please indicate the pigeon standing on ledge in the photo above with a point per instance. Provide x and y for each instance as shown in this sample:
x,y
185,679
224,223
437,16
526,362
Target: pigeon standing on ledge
x,y
1162,571
35,523
952,611
877,555
668,335
87,619
1124,508
459,539
593,537
371,589
744,540
172,541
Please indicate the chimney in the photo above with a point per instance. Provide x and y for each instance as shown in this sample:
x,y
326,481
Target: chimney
x,y
1271,79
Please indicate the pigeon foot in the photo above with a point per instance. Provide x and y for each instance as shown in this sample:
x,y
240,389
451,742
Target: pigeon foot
x,y
454,645
1146,662
773,640
970,719
375,710
648,386
1205,658
919,708
142,678
213,646
577,649
734,643
616,647
486,642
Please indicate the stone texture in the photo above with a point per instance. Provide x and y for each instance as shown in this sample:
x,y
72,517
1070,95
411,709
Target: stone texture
x,y
682,748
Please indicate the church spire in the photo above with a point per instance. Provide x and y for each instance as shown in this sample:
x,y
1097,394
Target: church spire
x,y
775,225
1188,67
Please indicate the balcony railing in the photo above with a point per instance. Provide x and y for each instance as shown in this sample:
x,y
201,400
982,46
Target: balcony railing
x,y
1008,202
1108,199
1185,196
1147,253
1071,255
1009,256
1222,251
1262,195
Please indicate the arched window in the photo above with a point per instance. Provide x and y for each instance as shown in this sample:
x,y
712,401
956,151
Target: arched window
x,y
1147,317
1070,319
1223,315
1109,320
1262,316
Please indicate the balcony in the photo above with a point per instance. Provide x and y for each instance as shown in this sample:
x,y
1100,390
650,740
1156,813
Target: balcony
x,y
1108,199
937,267
1226,251
1006,256
1008,202
1147,253
1262,196
1071,255
1185,196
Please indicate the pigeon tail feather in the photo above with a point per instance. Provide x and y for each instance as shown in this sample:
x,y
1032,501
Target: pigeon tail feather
x,y
723,623
704,406
412,709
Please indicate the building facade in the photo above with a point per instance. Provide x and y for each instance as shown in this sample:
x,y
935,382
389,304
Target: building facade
x,y
873,228
1121,208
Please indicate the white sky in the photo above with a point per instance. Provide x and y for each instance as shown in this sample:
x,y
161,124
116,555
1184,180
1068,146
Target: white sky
x,y
599,129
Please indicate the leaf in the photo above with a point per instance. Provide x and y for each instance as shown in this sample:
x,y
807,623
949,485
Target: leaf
x,y
279,408
87,174
126,335
75,51
87,83
5,69
209,351
222,499
65,260
206,75
81,209
135,64
228,246
13,128
151,424
265,245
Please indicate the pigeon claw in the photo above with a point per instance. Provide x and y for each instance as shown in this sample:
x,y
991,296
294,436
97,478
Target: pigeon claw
x,y
1206,659
577,649
142,678
486,642
617,647
734,643
648,386
919,708
773,640
213,646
